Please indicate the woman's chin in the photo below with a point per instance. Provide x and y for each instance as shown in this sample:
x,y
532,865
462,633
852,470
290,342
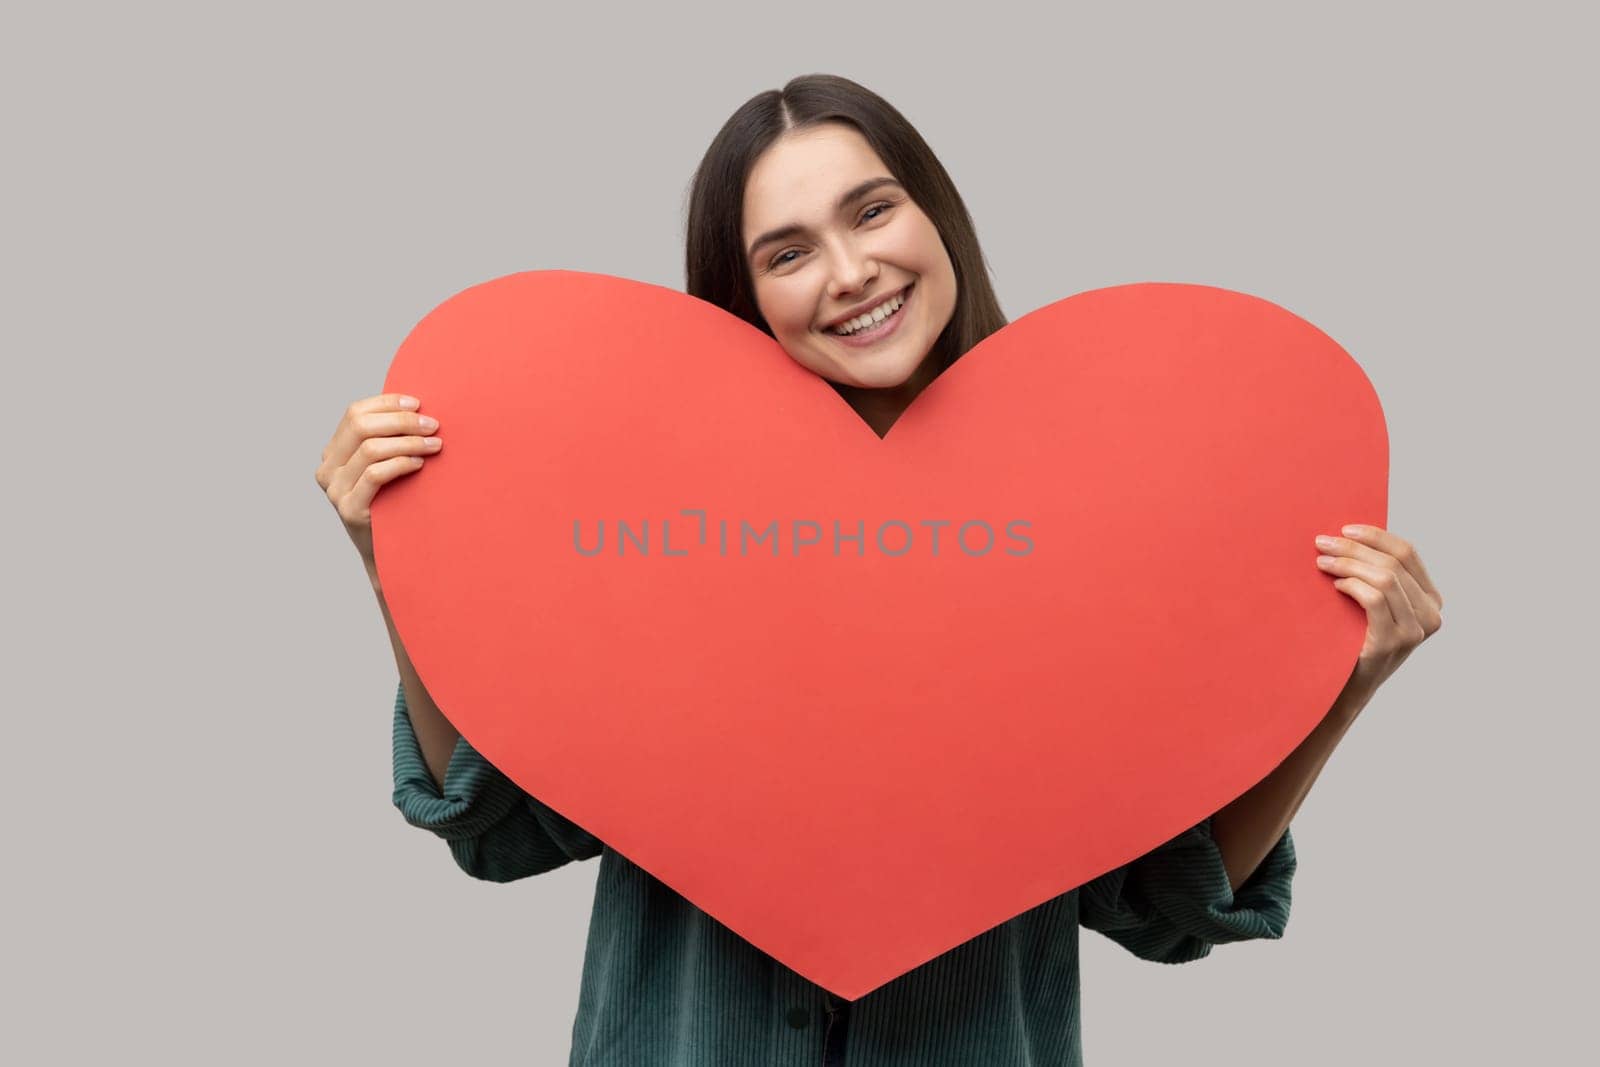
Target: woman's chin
x,y
858,369
886,379
868,373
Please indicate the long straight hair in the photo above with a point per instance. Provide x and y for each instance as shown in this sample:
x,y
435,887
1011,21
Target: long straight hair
x,y
715,266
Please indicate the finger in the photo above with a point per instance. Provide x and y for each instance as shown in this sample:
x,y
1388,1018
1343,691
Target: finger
x,y
1398,614
337,451
1402,550
385,401
1421,606
355,507
381,402
374,450
362,421
1380,618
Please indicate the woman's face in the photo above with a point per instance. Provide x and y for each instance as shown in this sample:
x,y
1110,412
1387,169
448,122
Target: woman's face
x,y
843,255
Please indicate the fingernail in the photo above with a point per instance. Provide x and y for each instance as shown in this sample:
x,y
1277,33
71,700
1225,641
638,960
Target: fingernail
x,y
1354,531
410,402
428,423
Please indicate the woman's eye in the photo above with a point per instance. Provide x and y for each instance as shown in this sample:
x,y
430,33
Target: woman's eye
x,y
780,259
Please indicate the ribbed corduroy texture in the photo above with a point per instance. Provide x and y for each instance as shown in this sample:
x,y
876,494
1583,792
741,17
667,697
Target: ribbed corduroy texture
x,y
666,985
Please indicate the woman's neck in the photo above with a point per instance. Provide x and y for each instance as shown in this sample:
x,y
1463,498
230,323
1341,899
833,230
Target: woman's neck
x,y
881,408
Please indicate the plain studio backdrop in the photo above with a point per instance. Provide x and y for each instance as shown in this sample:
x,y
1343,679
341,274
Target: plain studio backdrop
x,y
221,222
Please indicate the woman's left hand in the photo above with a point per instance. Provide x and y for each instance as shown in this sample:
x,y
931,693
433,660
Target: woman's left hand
x,y
1385,575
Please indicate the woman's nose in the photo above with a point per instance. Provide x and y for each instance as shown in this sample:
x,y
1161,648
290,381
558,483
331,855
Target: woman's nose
x,y
852,272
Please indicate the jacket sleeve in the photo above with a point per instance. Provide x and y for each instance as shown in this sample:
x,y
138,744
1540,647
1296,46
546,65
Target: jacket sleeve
x,y
496,832
1173,904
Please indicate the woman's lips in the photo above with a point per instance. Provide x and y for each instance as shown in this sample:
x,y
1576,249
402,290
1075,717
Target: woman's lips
x,y
883,330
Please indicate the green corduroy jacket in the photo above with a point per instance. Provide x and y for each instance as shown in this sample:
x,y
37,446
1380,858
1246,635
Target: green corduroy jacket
x,y
666,985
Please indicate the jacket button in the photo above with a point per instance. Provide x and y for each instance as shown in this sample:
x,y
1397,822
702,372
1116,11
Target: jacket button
x,y
799,1018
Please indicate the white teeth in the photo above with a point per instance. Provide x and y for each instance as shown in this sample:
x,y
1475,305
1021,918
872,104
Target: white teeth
x,y
877,314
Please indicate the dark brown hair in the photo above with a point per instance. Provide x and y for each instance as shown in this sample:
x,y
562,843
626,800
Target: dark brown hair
x,y
715,266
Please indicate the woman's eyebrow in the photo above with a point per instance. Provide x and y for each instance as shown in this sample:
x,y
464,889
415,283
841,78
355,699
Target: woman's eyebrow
x,y
844,201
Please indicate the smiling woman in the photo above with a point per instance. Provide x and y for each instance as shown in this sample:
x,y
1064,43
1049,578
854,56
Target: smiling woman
x,y
819,215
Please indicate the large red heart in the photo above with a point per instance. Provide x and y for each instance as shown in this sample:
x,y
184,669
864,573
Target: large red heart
x,y
859,754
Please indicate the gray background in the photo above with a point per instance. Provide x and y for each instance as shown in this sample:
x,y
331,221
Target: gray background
x,y
221,221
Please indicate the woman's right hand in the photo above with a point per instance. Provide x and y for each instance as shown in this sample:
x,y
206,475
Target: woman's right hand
x,y
379,438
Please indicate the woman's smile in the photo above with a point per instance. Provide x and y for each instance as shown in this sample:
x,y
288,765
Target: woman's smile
x,y
878,331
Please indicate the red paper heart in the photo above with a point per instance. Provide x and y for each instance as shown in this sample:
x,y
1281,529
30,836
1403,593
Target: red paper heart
x,y
859,761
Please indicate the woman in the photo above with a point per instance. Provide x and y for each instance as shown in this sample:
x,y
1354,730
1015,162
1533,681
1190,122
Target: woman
x,y
819,215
